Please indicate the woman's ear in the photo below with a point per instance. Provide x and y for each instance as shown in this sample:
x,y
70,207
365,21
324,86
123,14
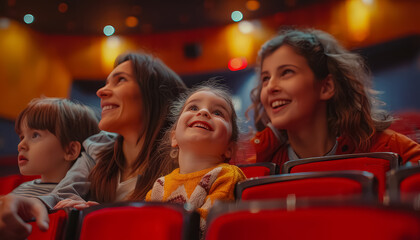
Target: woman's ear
x,y
327,88
72,151
174,142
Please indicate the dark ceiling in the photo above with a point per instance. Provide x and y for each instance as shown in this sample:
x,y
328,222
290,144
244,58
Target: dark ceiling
x,y
89,17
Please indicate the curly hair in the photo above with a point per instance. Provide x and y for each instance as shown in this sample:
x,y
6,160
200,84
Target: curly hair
x,y
354,110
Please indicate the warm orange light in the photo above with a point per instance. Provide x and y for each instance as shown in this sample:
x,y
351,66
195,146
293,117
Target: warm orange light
x,y
131,21
63,7
236,64
358,19
252,5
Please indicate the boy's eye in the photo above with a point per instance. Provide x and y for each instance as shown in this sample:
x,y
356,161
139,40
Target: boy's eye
x,y
122,79
35,135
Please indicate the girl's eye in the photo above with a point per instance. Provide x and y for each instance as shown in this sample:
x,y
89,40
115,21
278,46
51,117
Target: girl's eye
x,y
193,108
218,113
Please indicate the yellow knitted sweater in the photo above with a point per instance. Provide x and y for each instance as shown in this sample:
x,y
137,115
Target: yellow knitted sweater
x,y
199,189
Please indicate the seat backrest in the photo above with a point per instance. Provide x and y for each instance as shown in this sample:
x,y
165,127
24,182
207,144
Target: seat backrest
x,y
260,220
309,184
404,184
138,221
259,169
8,183
378,163
57,226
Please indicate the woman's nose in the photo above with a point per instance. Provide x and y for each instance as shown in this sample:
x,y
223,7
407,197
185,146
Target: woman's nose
x,y
273,85
103,92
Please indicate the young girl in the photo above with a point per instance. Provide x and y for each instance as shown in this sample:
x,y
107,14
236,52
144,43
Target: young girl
x,y
51,132
314,99
117,166
203,139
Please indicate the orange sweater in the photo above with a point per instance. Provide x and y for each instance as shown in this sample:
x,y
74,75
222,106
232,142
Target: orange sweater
x,y
199,189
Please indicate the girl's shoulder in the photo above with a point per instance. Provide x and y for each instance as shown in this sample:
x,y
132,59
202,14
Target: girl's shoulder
x,y
98,142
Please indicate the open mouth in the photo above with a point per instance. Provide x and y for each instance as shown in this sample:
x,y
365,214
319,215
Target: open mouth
x,y
202,125
279,103
22,160
109,107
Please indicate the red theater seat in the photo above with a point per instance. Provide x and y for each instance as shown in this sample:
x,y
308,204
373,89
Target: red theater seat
x,y
259,169
57,226
306,220
8,183
309,184
378,163
404,184
138,220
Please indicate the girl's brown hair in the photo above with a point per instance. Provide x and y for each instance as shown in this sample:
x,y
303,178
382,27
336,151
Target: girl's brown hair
x,y
353,110
211,85
159,86
67,120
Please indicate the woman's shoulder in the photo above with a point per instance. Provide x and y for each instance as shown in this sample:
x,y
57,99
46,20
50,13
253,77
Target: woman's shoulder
x,y
99,141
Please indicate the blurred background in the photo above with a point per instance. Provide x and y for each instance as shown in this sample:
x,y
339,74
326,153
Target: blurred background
x,y
66,48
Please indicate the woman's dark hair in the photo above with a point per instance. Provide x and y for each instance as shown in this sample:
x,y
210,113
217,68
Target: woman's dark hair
x,y
353,111
159,86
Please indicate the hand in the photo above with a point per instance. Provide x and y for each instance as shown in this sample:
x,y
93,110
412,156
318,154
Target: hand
x,y
15,210
78,204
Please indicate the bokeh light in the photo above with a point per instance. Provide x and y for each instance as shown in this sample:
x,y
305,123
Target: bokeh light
x,y
236,64
237,16
252,5
131,21
63,7
245,27
109,30
28,18
4,23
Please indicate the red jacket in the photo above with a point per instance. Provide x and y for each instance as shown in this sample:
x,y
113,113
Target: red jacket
x,y
268,148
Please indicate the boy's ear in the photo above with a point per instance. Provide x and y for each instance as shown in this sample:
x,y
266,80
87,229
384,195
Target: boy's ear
x,y
327,88
174,142
72,151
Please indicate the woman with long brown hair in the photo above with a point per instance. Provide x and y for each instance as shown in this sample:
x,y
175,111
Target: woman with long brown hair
x,y
314,98
121,163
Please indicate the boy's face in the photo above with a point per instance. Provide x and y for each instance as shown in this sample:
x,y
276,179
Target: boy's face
x,y
204,124
40,153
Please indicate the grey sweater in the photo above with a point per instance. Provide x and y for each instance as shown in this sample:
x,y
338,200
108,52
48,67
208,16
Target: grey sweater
x,y
75,184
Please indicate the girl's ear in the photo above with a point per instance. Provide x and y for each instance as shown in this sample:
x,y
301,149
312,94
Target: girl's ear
x,y
72,151
229,151
327,88
174,143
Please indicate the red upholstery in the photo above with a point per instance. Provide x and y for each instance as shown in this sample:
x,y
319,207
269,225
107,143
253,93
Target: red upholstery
x,y
410,187
345,222
127,222
255,171
8,183
56,228
377,166
303,188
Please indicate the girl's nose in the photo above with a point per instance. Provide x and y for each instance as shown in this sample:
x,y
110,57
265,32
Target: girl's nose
x,y
203,112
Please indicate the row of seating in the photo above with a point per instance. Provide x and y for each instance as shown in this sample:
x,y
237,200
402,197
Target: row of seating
x,y
279,219
333,197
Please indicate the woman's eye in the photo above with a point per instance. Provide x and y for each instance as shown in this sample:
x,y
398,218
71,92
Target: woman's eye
x,y
264,79
287,72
